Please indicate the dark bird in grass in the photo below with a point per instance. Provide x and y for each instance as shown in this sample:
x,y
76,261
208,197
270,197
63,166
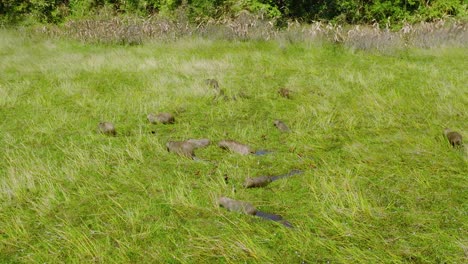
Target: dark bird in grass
x,y
284,92
281,126
249,209
453,137
107,128
163,118
182,148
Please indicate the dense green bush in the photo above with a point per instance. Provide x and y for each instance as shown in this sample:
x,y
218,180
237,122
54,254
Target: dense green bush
x,y
13,11
368,11
343,11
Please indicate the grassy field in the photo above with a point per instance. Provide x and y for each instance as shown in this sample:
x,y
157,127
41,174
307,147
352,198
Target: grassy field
x,y
381,183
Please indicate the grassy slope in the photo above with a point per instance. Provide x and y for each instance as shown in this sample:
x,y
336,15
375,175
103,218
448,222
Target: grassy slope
x,y
381,183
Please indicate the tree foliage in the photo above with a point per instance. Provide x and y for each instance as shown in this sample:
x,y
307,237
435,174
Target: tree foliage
x,y
344,11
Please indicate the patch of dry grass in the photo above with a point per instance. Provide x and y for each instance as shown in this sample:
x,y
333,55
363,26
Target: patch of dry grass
x,y
246,26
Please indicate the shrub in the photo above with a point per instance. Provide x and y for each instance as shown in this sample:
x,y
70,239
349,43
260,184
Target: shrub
x,y
339,11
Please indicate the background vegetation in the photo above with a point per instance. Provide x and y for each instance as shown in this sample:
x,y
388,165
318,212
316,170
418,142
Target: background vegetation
x,y
342,11
381,183
369,103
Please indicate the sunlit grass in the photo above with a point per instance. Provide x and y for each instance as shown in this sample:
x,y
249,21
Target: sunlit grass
x,y
381,184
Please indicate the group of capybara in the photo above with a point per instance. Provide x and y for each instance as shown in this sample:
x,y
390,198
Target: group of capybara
x,y
187,149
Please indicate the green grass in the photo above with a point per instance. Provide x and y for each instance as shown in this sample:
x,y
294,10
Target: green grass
x,y
381,184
